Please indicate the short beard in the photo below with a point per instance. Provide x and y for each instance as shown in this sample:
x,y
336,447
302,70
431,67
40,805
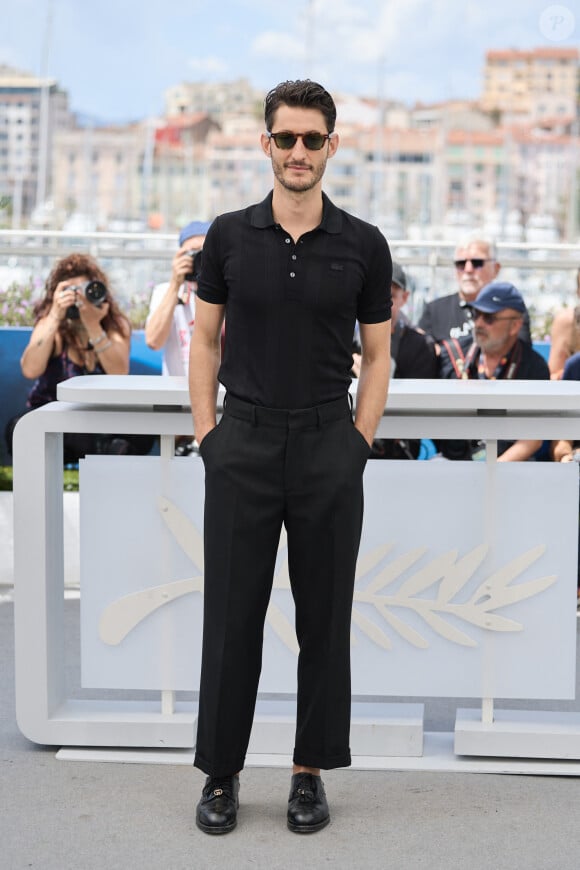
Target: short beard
x,y
298,186
488,345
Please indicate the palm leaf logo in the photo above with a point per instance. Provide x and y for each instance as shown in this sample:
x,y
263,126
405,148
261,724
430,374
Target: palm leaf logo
x,y
436,592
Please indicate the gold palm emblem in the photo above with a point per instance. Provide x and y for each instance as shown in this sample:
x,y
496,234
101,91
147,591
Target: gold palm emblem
x,y
445,574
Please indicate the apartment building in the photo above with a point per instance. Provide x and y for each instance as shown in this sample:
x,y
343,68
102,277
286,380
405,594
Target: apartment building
x,y
532,85
403,168
216,99
134,172
31,110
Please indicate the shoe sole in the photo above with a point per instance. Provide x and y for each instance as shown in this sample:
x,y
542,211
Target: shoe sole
x,y
209,829
308,829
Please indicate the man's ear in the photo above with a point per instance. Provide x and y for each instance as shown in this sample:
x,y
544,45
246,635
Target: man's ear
x,y
517,325
265,143
333,143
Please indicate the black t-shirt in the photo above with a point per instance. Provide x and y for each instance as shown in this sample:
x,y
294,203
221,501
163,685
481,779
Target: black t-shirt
x,y
415,355
446,317
291,308
450,317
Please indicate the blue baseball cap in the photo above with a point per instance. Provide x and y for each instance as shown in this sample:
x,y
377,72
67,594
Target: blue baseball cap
x,y
497,296
195,228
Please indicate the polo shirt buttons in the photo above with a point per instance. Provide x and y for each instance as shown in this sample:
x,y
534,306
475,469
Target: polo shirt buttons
x,y
292,274
294,257
288,241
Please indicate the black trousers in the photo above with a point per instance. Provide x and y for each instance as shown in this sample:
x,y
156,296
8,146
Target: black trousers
x,y
265,467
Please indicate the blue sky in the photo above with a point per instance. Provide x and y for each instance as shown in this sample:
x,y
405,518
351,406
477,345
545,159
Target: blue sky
x,y
116,57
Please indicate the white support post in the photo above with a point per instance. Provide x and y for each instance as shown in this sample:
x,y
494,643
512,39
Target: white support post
x,y
491,451
167,452
487,711
167,702
491,463
167,446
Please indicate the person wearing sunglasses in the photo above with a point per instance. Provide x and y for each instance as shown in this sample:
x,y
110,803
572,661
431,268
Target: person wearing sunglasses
x,y
475,263
494,352
291,275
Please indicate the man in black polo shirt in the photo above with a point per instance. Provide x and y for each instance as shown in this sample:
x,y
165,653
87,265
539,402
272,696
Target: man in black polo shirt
x,y
291,274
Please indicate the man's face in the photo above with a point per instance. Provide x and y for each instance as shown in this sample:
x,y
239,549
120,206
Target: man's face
x,y
194,243
299,169
399,298
472,278
499,336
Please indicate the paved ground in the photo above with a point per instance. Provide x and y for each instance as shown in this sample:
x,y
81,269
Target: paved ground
x,y
64,815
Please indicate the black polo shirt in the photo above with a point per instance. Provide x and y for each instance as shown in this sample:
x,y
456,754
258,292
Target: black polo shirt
x,y
291,308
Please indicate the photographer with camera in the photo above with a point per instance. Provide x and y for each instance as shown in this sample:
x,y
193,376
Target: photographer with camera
x,y
172,306
172,312
79,330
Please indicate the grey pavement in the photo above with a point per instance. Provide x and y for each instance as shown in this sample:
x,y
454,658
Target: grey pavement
x,y
60,815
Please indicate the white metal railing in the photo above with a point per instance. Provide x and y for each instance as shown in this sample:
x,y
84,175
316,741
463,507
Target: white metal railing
x,y
135,262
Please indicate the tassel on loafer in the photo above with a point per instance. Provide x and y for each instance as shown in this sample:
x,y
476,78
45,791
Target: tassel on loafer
x,y
307,805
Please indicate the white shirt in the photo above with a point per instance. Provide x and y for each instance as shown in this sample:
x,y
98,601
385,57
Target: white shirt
x,y
176,349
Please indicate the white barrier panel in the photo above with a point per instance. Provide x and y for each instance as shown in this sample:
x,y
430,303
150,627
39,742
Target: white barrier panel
x,y
457,594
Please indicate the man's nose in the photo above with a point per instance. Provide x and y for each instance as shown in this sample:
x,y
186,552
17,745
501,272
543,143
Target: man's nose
x,y
299,150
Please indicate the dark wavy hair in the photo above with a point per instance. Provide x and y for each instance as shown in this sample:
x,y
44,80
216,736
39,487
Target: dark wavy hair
x,y
74,266
302,93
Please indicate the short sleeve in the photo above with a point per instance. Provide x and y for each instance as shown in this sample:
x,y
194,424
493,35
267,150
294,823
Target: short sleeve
x,y
211,286
374,305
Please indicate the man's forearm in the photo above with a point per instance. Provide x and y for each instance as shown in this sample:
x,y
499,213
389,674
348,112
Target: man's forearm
x,y
560,449
159,322
204,362
371,396
520,451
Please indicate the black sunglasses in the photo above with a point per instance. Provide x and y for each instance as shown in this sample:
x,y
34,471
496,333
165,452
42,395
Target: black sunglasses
x,y
313,141
476,262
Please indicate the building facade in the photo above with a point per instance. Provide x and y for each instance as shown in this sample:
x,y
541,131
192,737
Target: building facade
x,y
31,110
532,85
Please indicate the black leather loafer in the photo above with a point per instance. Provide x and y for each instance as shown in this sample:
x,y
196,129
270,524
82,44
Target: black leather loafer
x,y
307,806
218,808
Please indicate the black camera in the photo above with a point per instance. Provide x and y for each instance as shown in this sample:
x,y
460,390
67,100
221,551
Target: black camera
x,y
195,266
94,292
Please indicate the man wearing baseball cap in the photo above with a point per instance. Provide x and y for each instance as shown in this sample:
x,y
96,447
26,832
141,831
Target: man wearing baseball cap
x,y
495,352
172,306
476,265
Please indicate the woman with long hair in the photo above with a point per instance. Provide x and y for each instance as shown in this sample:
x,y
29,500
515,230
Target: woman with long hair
x,y
71,335
79,330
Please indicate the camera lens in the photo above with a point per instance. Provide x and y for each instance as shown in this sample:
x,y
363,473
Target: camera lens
x,y
95,292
